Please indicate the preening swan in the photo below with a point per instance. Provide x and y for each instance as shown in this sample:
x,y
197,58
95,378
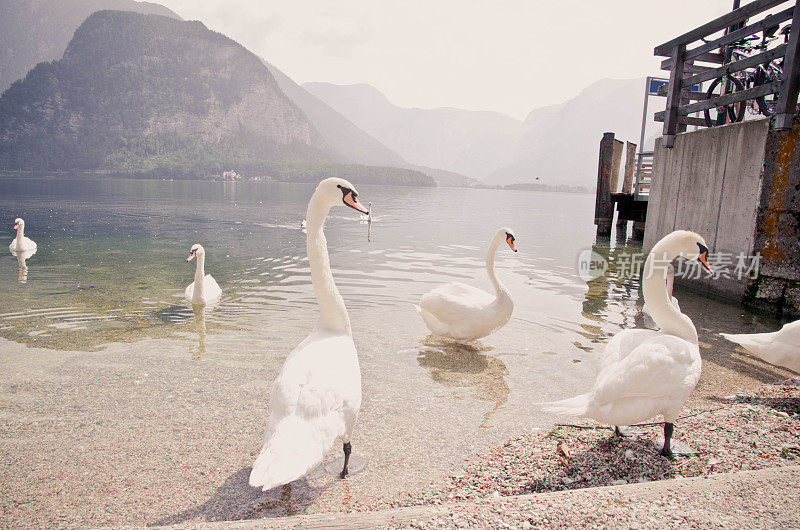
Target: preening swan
x,y
464,313
317,395
204,288
21,243
645,372
781,347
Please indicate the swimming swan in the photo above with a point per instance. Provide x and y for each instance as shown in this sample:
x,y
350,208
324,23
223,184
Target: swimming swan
x,y
781,347
204,288
464,313
645,372
21,243
317,395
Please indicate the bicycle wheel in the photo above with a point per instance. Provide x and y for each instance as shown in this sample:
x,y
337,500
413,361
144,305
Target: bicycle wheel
x,y
726,84
766,104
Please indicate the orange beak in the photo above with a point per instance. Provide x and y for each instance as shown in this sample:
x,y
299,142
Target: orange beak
x,y
16,225
703,259
353,203
511,244
191,256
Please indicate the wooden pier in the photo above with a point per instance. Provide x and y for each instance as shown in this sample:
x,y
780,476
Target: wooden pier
x,y
629,200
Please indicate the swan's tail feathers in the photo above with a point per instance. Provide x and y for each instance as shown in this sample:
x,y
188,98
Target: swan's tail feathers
x,y
575,406
294,448
751,342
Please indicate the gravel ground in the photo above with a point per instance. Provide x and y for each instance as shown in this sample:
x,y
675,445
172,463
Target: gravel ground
x,y
740,432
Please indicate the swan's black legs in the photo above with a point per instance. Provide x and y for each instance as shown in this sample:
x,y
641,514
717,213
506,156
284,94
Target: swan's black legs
x,y
617,432
347,448
668,428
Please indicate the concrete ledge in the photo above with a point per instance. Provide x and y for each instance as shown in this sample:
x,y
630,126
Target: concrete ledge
x,y
763,498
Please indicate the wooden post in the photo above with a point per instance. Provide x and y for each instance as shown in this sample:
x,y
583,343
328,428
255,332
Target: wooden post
x,y
603,211
638,230
673,96
787,100
613,181
630,160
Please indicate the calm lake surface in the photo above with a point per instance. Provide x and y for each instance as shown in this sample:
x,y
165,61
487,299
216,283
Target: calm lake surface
x,y
150,411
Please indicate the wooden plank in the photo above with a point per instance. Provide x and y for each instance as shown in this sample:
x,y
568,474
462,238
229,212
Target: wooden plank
x,y
717,58
688,120
748,62
673,96
630,162
727,99
766,22
616,163
787,101
603,212
718,24
690,94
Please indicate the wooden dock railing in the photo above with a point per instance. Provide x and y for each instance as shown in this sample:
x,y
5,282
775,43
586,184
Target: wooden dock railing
x,y
690,48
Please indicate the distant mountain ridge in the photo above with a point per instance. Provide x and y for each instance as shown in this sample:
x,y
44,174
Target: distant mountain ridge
x,y
556,144
34,31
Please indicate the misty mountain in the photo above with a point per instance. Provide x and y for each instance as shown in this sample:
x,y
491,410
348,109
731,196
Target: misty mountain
x,y
135,92
33,31
350,141
560,144
557,143
468,142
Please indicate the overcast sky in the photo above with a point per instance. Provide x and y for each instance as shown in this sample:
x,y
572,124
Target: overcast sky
x,y
509,56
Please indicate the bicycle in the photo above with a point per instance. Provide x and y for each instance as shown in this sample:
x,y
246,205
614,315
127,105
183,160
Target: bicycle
x,y
762,74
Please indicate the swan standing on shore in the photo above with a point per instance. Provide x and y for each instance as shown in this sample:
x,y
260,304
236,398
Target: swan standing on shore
x,y
204,288
317,395
781,348
465,313
646,372
21,243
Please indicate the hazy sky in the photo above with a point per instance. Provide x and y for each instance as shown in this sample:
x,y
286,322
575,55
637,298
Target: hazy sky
x,y
504,55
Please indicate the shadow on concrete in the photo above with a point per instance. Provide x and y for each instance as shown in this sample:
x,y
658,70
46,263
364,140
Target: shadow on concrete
x,y
236,500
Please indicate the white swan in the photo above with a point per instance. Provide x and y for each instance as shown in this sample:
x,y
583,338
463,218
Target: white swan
x,y
674,301
317,395
21,243
645,372
464,313
781,347
204,288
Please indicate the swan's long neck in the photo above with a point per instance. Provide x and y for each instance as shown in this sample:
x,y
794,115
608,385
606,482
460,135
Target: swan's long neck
x,y
200,272
499,288
20,234
332,311
657,297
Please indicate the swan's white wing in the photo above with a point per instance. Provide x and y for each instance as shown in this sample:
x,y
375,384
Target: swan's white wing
x,y
654,377
212,288
623,343
449,302
781,348
315,399
189,292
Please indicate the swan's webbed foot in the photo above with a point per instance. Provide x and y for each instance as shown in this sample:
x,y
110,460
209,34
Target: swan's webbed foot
x,y
347,448
666,451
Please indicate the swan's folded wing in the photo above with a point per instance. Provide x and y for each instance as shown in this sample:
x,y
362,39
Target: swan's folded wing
x,y
448,300
657,368
623,343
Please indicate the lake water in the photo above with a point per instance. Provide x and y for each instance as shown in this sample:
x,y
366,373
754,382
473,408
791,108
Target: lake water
x,y
149,411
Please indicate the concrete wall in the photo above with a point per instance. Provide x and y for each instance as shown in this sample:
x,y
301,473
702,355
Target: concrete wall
x,y
710,183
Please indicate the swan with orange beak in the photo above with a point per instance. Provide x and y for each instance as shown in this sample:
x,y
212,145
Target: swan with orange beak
x,y
204,288
21,243
465,313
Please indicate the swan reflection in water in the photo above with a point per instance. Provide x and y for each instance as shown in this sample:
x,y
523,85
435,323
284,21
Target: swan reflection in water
x,y
200,328
22,267
463,365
